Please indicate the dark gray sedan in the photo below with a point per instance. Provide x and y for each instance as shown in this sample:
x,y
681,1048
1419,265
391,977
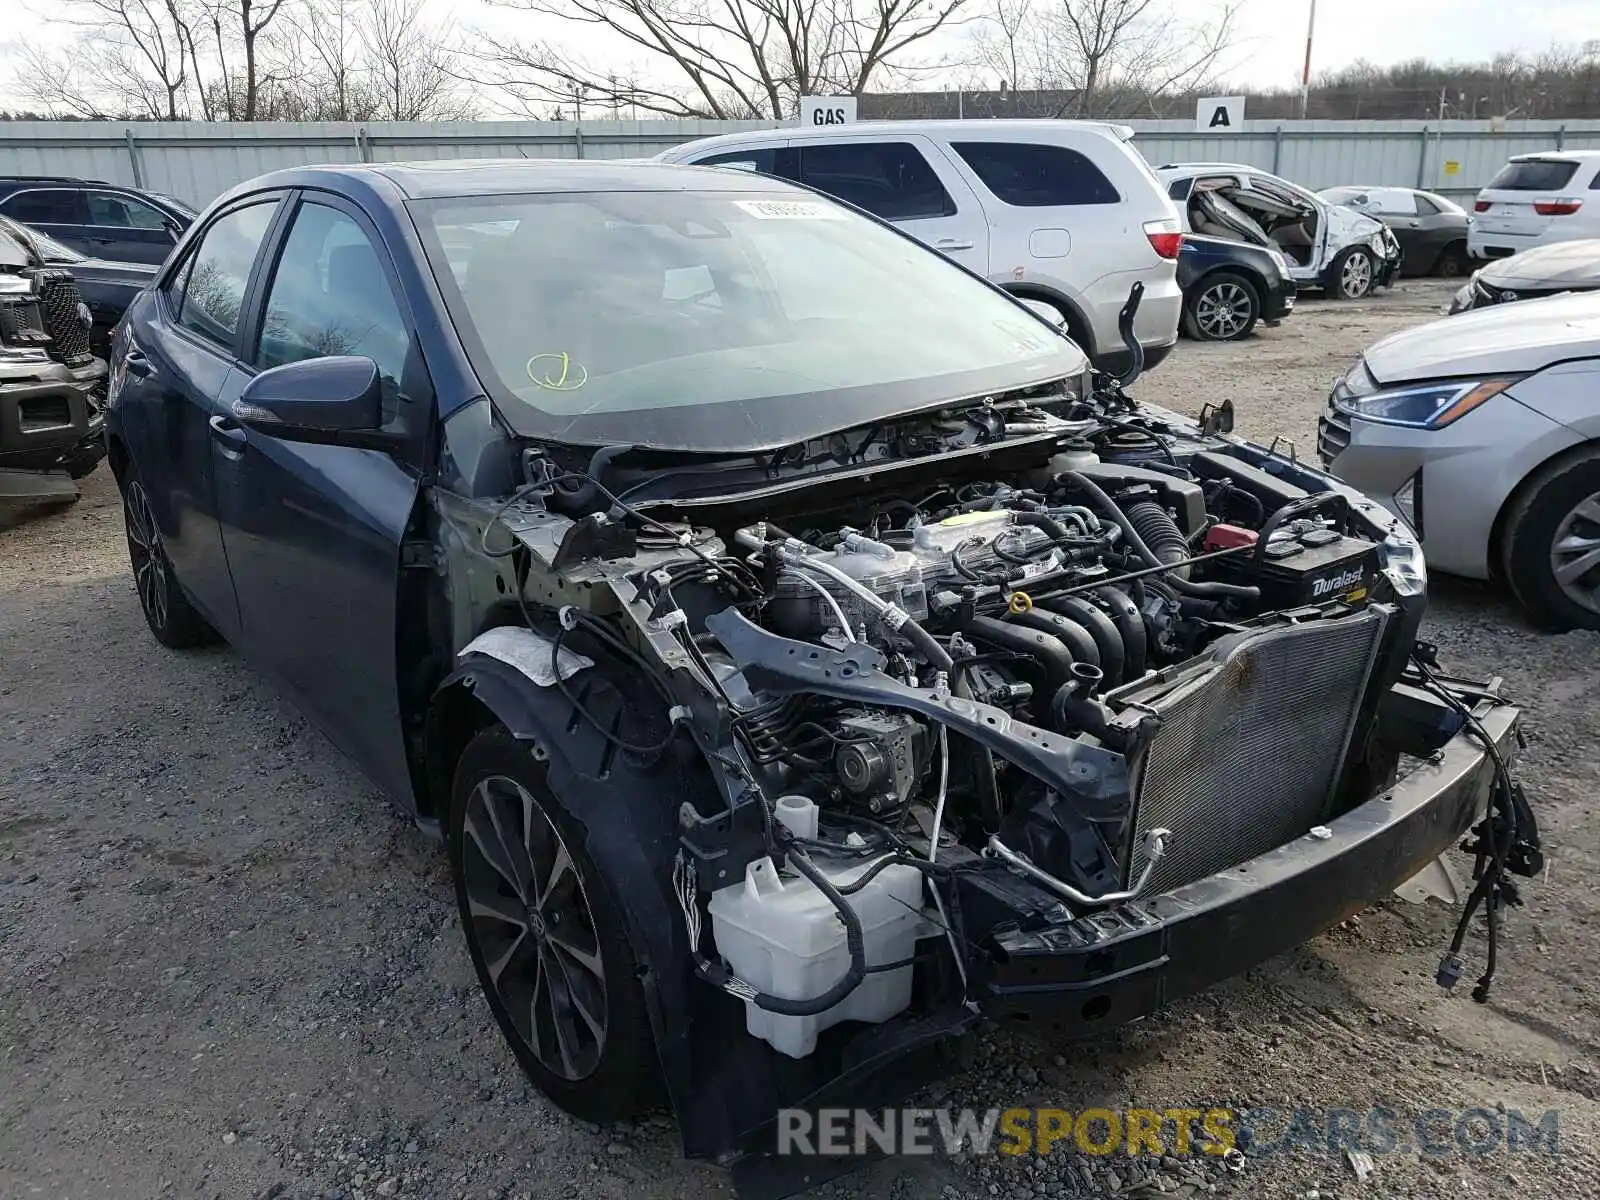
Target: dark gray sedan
x,y
1431,229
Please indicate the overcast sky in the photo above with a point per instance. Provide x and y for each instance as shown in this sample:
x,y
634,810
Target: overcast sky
x,y
1271,32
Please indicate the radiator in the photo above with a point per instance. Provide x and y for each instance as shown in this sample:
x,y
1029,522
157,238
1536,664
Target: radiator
x,y
1251,742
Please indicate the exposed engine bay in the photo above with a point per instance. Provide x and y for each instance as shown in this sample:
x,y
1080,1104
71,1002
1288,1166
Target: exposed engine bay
x,y
958,712
1032,659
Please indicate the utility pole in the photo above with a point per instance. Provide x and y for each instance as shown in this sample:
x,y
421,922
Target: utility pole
x,y
1305,75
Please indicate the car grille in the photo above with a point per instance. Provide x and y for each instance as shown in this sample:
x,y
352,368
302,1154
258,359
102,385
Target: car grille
x,y
1333,433
61,307
1486,293
1251,745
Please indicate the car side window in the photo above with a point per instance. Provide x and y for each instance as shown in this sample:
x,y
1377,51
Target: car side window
x,y
1037,176
207,294
46,206
1426,207
1594,184
1180,189
889,179
762,160
123,212
330,295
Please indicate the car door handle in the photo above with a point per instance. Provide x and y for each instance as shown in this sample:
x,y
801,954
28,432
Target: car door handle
x,y
952,244
228,431
136,364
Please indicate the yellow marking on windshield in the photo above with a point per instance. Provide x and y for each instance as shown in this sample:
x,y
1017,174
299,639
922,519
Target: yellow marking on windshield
x,y
556,372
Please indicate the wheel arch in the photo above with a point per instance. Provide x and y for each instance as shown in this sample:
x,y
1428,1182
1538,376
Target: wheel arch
x,y
629,824
1526,486
1456,246
1078,327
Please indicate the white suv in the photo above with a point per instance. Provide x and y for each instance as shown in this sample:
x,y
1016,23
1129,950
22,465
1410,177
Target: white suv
x,y
1537,199
1064,212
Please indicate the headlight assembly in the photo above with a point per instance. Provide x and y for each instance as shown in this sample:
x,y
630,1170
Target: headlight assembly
x,y
1428,405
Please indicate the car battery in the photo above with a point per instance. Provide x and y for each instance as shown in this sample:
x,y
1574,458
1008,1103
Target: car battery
x,y
1305,564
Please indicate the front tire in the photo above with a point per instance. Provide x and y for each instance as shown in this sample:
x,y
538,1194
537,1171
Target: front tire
x,y
172,619
1354,273
1551,551
545,936
1224,308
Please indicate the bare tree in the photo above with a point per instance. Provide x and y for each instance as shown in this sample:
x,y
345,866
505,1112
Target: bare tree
x,y
130,57
324,38
408,68
711,58
1117,53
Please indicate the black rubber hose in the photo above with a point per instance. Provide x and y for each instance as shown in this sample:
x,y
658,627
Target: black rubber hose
x,y
853,938
1076,638
1053,657
1052,528
1106,638
1160,533
1125,615
1108,508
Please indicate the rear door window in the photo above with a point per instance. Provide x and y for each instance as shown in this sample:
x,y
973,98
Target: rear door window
x,y
1534,175
123,212
46,206
889,179
1394,202
207,294
1029,175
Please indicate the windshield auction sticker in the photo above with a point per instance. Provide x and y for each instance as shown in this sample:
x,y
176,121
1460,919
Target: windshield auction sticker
x,y
790,210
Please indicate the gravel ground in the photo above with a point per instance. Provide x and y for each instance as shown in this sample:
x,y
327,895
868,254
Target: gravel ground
x,y
229,970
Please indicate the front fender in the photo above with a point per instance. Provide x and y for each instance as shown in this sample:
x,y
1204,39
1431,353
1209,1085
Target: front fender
x,y
628,815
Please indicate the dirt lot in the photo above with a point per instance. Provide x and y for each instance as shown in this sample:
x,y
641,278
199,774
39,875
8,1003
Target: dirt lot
x,y
229,970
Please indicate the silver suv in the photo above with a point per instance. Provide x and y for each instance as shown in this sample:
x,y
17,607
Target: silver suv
x,y
1064,212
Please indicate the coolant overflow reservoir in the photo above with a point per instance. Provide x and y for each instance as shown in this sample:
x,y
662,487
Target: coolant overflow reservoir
x,y
1073,456
783,937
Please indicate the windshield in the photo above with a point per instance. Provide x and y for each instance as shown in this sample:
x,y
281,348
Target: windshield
x,y
45,246
717,320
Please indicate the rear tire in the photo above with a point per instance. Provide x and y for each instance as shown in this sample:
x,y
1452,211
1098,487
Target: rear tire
x,y
1453,263
1354,274
546,937
1224,308
172,619
1550,553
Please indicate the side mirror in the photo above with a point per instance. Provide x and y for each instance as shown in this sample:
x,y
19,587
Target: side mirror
x,y
1046,311
335,400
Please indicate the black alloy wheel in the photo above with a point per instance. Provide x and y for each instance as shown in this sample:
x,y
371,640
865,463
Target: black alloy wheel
x,y
545,937
172,619
1224,309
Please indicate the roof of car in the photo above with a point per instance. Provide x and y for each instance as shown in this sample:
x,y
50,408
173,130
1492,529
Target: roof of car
x,y
1534,156
1212,166
54,179
999,130
440,178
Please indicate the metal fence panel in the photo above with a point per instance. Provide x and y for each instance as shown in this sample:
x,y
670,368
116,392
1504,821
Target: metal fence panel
x,y
197,161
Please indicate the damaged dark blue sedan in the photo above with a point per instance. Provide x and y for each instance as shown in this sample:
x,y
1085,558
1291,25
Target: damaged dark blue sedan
x,y
802,653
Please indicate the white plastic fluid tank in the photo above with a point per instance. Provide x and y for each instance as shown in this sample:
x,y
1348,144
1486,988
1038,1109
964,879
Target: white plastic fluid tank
x,y
783,937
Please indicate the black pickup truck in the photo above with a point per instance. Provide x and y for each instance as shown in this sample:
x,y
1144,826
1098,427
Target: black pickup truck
x,y
52,387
